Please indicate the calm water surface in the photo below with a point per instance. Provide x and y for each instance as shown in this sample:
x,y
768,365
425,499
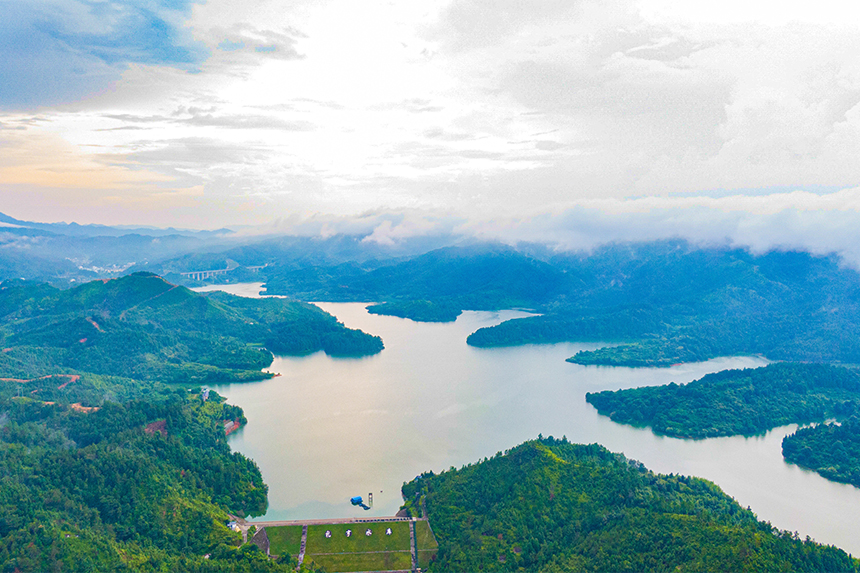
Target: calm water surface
x,y
327,429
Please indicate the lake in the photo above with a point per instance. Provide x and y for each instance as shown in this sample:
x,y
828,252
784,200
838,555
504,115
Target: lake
x,y
328,429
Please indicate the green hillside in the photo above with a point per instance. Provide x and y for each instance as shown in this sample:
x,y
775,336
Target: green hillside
x,y
433,287
143,485
103,466
659,303
832,450
733,402
550,506
142,327
669,302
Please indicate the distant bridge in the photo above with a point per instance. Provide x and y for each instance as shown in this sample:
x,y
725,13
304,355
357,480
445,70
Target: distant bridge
x,y
203,275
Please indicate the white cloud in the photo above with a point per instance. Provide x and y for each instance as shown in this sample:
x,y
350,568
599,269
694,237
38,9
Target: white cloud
x,y
465,106
768,12
821,223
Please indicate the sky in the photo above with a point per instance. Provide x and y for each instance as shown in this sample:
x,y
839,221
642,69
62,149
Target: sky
x,y
563,120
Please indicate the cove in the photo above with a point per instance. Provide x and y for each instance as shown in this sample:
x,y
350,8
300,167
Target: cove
x,y
328,429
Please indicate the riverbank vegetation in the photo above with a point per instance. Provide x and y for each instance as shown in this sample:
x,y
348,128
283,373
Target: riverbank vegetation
x,y
419,310
107,461
550,505
139,485
696,304
831,449
732,402
658,303
433,287
143,327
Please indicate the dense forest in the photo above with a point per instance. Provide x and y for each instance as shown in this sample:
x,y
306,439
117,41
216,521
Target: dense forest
x,y
104,466
732,402
658,303
434,286
137,484
550,505
616,324
419,310
142,327
669,302
832,450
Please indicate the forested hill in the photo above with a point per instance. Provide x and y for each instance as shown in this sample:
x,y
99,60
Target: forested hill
x,y
669,303
136,485
664,302
660,302
752,401
103,466
832,450
435,286
733,402
552,506
143,327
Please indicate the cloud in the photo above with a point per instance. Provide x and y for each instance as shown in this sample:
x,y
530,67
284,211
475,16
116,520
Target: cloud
x,y
45,159
412,224
387,227
821,223
196,154
468,24
136,118
105,205
465,106
57,52
643,101
547,145
235,121
246,40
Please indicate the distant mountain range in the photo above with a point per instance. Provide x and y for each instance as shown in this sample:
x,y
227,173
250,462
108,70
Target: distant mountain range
x,y
76,230
661,303
67,253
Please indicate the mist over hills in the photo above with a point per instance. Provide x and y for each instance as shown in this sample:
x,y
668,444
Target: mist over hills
x,y
92,230
662,302
64,253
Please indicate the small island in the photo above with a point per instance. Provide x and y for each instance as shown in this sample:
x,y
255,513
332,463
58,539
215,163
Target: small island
x,y
647,353
418,310
831,449
736,402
